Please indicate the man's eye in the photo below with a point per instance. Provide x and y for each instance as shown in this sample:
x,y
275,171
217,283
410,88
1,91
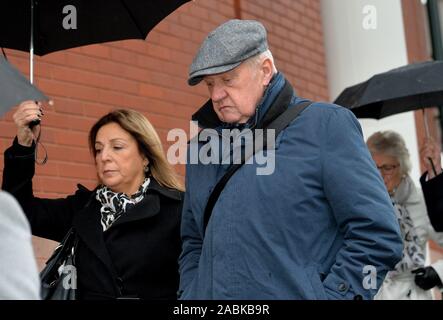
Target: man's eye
x,y
97,151
118,147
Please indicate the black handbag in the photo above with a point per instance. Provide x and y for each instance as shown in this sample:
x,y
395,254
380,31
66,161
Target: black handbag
x,y
59,277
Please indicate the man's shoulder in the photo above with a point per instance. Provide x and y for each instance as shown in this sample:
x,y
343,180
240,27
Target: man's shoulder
x,y
324,110
323,106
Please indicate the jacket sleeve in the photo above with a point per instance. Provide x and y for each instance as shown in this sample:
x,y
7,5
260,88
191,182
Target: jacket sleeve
x,y
49,218
362,209
192,242
433,193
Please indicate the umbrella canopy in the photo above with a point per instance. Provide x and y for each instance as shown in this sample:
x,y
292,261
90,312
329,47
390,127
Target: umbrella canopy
x,y
95,21
407,88
15,88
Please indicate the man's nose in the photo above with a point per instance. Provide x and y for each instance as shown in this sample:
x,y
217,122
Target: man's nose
x,y
218,93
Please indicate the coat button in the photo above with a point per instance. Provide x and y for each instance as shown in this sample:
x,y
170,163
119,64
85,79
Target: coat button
x,y
342,287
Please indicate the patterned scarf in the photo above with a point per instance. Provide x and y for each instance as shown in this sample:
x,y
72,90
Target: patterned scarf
x,y
413,255
115,204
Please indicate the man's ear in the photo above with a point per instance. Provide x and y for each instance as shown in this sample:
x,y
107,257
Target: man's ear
x,y
268,71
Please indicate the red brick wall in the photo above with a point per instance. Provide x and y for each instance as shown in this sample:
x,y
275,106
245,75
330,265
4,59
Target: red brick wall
x,y
150,76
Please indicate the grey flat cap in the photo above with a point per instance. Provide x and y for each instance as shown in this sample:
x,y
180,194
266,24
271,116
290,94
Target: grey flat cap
x,y
227,47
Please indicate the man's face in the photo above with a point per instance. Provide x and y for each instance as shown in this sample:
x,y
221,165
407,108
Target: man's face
x,y
236,93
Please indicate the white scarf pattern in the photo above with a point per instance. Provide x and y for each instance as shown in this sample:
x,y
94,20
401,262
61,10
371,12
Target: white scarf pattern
x,y
413,255
114,204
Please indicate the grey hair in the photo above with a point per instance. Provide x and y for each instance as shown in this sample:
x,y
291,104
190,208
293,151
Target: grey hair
x,y
259,58
392,144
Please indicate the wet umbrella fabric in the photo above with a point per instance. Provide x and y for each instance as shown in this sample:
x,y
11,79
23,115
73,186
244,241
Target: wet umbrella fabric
x,y
15,88
63,24
407,88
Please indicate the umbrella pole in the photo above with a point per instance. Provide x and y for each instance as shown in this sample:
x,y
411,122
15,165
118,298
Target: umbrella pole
x,y
427,136
31,46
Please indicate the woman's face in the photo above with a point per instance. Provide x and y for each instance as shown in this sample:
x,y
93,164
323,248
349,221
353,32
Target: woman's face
x,y
120,165
389,168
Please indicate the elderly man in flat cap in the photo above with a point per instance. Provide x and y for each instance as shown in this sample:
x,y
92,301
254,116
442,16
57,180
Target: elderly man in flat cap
x,y
320,225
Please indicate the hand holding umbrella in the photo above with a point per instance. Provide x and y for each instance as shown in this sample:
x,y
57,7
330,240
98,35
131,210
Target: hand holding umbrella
x,y
27,112
430,153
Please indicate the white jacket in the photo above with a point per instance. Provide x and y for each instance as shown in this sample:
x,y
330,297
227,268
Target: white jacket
x,y
402,286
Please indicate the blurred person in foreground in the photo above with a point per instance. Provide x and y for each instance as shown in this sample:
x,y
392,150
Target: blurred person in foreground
x,y
19,278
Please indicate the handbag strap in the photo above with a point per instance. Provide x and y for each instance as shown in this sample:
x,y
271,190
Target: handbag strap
x,y
280,123
68,243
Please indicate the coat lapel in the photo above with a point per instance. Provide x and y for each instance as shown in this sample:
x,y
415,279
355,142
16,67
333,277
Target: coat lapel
x,y
88,227
149,206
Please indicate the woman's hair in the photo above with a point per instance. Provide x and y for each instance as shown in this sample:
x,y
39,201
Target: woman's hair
x,y
390,143
148,143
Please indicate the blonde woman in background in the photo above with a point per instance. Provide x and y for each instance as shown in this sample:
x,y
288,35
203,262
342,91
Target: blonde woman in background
x,y
410,279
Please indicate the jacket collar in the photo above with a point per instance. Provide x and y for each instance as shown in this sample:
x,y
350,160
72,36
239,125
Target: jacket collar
x,y
406,192
275,101
173,194
150,205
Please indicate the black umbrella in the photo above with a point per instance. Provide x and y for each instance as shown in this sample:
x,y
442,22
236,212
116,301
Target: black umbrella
x,y
15,88
408,88
412,87
45,26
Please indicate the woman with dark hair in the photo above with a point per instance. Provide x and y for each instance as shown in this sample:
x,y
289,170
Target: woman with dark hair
x,y
128,227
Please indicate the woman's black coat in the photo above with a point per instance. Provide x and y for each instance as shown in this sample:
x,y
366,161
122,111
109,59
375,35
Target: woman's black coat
x,y
433,192
136,257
